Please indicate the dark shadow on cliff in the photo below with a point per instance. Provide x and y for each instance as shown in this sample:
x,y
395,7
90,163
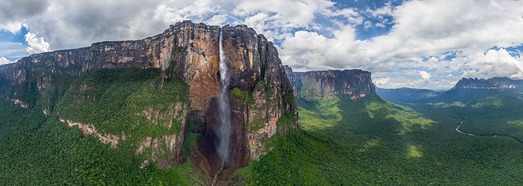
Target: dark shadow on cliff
x,y
203,153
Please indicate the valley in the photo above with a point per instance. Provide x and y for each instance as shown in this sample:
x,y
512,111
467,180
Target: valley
x,y
372,141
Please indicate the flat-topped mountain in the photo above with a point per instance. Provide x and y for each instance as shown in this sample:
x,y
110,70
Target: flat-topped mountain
x,y
145,93
406,95
491,83
355,84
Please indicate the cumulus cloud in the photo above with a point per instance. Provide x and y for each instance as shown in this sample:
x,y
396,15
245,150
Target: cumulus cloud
x,y
199,11
36,44
438,36
4,61
494,63
75,23
71,24
317,51
14,12
12,27
279,19
423,30
425,76
381,81
430,28
287,13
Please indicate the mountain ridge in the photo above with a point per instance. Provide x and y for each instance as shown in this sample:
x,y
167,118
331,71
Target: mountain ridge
x,y
490,83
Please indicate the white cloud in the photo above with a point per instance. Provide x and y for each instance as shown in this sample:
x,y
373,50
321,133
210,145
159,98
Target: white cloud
x,y
313,34
72,24
367,24
12,27
198,11
258,21
425,76
381,81
277,19
218,20
494,63
14,12
317,51
431,29
36,44
411,78
289,13
4,61
381,25
384,10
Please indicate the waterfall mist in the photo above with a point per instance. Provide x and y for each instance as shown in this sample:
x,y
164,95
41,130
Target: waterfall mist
x,y
223,130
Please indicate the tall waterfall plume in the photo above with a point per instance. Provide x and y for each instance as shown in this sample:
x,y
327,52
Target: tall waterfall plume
x,y
224,109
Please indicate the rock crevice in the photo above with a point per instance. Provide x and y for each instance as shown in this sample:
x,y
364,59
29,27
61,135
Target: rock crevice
x,y
88,129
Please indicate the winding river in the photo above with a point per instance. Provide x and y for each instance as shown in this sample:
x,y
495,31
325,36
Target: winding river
x,y
462,120
458,129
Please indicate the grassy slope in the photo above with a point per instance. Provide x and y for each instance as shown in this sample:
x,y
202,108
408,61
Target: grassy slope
x,y
376,142
37,149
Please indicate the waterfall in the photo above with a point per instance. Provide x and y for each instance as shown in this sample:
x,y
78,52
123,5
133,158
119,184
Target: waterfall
x,y
224,109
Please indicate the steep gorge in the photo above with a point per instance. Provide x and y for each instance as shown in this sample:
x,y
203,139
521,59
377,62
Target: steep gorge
x,y
132,81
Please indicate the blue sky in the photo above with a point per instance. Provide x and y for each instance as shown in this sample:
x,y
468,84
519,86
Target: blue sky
x,y
362,32
18,44
421,44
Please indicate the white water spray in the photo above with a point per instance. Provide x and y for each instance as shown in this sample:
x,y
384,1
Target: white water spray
x,y
224,109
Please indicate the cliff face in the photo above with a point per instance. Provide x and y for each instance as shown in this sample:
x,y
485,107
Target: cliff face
x,y
354,84
294,79
185,51
257,72
191,50
496,83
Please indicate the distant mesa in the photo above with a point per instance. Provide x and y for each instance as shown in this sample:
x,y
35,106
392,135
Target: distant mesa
x,y
406,95
354,84
495,83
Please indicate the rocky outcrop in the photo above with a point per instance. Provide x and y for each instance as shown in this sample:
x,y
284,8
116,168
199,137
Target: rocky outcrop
x,y
187,51
354,84
88,129
496,83
164,150
165,115
20,103
258,73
